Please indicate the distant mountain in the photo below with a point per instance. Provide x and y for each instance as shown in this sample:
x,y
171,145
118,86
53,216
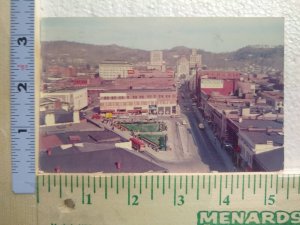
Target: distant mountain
x,y
66,53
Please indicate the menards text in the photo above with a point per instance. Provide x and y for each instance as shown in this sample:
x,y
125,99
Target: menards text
x,y
248,217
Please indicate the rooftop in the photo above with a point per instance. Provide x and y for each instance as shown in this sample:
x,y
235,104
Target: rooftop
x,y
154,83
271,160
66,90
258,137
246,123
74,161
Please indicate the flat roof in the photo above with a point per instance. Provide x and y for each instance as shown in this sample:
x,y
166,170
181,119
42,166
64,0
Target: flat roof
x,y
260,137
74,161
271,160
246,123
65,90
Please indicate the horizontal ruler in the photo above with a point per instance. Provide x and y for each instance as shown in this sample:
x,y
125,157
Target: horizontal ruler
x,y
161,199
22,96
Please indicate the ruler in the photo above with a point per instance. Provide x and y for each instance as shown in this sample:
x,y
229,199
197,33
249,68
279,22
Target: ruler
x,y
265,198
22,96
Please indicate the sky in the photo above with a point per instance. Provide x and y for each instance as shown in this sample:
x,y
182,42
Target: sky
x,y
211,34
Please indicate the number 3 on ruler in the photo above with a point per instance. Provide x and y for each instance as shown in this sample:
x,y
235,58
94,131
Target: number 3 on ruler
x,y
22,40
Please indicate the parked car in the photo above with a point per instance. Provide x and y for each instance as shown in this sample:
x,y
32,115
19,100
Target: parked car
x,y
201,126
96,116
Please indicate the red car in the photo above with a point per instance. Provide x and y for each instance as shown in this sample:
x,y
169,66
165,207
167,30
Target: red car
x,y
96,116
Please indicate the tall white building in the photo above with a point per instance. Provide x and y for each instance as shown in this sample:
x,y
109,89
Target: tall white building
x,y
195,59
110,70
156,61
182,68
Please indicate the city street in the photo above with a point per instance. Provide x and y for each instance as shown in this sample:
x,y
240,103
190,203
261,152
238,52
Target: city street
x,y
207,153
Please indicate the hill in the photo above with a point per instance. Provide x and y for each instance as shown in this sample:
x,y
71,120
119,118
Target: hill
x,y
66,53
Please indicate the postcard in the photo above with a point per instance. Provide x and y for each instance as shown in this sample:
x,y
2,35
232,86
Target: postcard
x,y
171,95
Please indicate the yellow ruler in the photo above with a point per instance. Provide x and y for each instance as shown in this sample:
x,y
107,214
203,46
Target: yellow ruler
x,y
162,199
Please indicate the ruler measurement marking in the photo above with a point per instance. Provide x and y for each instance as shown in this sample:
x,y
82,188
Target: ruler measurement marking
x,y
254,185
140,184
60,187
82,189
77,181
134,182
54,177
288,188
146,182
105,187
231,186
43,180
186,184
174,197
71,183
117,181
209,185
271,181
192,182
293,181
197,187
277,183
266,182
66,182
299,185
249,181
203,181
163,189
157,181
169,182
180,182
226,181
128,190
215,181
37,189
220,191
100,182
151,187
243,187
123,181
49,181
237,181
94,184
88,181
259,180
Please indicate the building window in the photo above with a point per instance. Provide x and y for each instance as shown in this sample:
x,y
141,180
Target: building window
x,y
141,96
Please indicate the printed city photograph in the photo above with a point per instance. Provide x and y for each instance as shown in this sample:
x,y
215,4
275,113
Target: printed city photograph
x,y
161,95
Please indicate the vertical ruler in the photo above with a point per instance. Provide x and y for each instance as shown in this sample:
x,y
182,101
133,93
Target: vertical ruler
x,y
22,96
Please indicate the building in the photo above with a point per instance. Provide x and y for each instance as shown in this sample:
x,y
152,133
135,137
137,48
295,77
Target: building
x,y
156,61
253,143
245,88
182,67
77,98
235,126
151,73
112,69
58,117
147,96
219,82
274,99
195,59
